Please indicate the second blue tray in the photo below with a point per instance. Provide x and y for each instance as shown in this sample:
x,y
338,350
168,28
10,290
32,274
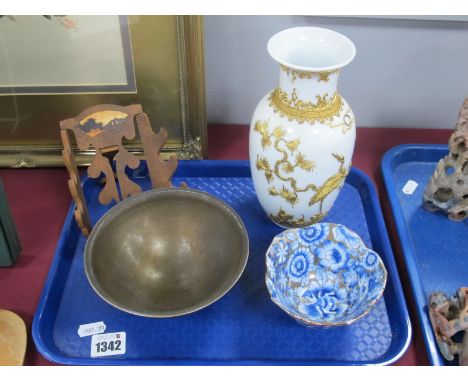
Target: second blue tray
x,y
434,247
244,327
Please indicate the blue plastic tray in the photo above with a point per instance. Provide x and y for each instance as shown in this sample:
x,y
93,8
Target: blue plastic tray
x,y
242,328
434,248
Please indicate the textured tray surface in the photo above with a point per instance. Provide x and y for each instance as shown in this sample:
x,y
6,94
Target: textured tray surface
x,y
435,248
244,326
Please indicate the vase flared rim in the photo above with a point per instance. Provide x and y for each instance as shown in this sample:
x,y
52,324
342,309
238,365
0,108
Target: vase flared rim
x,y
311,49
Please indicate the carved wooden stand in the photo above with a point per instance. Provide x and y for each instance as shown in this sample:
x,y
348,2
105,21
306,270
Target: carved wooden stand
x,y
103,127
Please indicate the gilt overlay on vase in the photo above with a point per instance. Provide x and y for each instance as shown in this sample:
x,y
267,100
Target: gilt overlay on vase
x,y
301,144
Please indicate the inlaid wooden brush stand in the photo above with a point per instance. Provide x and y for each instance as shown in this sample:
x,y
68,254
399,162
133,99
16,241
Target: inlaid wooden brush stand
x,y
103,128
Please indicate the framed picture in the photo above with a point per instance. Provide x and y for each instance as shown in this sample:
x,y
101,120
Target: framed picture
x,y
54,67
64,59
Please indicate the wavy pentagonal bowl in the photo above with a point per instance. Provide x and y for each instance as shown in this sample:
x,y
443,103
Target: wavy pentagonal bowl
x,y
324,275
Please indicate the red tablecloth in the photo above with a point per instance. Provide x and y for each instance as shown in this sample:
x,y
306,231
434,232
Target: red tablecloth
x,y
39,200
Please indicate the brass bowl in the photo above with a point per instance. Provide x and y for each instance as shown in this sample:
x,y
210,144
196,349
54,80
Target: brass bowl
x,y
166,252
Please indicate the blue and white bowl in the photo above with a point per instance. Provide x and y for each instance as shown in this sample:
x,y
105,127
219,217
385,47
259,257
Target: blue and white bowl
x,y
324,275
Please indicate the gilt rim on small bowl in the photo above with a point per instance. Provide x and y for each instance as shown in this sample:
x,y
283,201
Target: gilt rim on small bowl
x,y
314,323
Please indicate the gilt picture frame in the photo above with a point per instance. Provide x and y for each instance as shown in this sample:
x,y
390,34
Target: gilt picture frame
x,y
166,55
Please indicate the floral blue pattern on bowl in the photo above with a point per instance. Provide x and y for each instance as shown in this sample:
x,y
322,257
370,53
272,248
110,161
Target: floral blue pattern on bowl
x,y
324,275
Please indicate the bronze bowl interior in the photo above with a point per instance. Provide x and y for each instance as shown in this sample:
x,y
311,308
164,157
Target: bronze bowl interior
x,y
166,252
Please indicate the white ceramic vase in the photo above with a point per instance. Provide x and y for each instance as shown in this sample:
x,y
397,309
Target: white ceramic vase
x,y
303,132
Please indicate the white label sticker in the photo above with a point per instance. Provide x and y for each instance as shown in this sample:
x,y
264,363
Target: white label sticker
x,y
91,329
410,187
108,344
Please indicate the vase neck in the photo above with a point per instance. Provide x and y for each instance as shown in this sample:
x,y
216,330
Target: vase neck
x,y
310,87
